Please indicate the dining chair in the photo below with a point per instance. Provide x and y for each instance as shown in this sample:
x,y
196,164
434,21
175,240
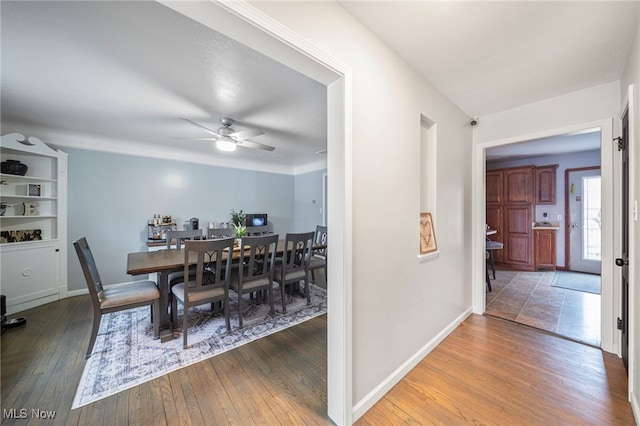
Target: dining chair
x,y
114,298
294,265
255,269
211,282
180,237
318,258
216,233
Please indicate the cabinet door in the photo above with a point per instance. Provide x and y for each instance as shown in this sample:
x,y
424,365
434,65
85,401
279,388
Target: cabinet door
x,y
494,185
546,184
28,277
495,220
518,236
518,184
545,248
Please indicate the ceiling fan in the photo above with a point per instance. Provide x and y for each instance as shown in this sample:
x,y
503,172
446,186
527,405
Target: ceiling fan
x,y
228,139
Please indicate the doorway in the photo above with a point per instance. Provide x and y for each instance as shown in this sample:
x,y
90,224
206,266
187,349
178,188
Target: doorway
x,y
606,305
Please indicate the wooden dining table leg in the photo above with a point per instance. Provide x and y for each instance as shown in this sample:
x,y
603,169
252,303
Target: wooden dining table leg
x,y
166,333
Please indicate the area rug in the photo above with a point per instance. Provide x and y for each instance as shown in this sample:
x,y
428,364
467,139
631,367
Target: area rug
x,y
126,355
577,281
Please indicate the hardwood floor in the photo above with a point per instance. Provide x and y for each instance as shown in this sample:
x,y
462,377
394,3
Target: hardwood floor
x,y
528,298
280,379
494,372
488,371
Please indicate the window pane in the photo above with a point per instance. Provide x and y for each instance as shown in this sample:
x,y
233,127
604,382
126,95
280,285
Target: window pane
x,y
591,218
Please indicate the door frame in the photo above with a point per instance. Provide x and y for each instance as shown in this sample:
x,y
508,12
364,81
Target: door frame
x,y
609,312
245,23
567,242
628,104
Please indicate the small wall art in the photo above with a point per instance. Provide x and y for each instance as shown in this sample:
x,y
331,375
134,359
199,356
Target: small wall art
x,y
34,190
427,234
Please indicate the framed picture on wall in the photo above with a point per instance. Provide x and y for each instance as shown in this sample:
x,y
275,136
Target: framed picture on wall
x,y
427,234
34,190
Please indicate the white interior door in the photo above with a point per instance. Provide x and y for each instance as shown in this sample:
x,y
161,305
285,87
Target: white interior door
x,y
585,224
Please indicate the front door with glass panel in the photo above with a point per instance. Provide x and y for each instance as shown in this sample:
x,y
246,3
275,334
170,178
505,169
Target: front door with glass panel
x,y
585,218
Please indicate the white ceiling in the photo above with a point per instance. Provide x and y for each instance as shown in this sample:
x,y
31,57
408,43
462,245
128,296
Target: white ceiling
x,y
119,74
124,72
488,57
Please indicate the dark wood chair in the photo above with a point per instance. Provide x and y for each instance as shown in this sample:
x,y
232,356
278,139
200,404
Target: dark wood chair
x,y
318,258
211,282
255,269
180,237
294,265
116,298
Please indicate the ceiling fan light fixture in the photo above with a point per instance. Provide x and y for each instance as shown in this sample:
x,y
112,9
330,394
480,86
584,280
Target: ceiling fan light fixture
x,y
226,144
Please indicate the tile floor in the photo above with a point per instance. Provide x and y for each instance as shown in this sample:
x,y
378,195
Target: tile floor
x,y
528,298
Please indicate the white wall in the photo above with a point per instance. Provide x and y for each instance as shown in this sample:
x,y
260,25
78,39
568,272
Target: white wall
x,y
564,162
631,75
400,306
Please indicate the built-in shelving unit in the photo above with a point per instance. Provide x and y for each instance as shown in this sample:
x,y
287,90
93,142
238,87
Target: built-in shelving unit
x,y
33,237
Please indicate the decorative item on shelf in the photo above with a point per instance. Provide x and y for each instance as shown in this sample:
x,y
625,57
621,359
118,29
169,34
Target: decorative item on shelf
x,y
3,209
14,167
31,209
34,190
20,236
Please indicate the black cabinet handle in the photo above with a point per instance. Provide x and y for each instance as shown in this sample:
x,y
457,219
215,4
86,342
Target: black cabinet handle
x,y
621,262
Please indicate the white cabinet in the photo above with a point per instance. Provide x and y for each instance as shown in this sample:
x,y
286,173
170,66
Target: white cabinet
x,y
33,227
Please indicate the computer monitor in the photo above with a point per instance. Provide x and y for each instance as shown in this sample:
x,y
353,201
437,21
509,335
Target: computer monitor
x,y
256,219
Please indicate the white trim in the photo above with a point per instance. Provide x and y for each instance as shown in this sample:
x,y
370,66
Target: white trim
x,y
425,257
385,386
479,214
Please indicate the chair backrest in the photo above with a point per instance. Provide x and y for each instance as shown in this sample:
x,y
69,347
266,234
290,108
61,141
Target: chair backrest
x,y
181,236
258,257
90,270
216,233
213,265
298,248
320,239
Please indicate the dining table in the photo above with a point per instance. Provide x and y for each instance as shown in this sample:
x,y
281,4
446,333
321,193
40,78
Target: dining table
x,y
164,262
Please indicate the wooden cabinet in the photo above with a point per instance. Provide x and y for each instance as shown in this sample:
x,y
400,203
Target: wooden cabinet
x,y
33,249
545,188
510,211
518,185
494,185
545,248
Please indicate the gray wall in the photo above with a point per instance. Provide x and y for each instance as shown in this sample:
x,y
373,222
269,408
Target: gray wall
x,y
308,201
112,196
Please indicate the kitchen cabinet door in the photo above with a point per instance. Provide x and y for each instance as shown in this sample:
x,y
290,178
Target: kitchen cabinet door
x,y
546,184
518,185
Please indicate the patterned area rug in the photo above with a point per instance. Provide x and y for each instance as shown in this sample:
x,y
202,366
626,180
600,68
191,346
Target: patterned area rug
x,y
126,355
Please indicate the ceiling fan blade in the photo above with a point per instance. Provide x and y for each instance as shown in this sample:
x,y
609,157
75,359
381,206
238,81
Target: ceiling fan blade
x,y
201,126
322,151
246,134
255,145
199,139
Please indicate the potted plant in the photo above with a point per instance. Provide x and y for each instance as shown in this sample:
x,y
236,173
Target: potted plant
x,y
238,218
238,221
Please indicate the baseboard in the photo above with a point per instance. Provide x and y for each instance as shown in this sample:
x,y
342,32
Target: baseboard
x,y
385,386
635,406
80,292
